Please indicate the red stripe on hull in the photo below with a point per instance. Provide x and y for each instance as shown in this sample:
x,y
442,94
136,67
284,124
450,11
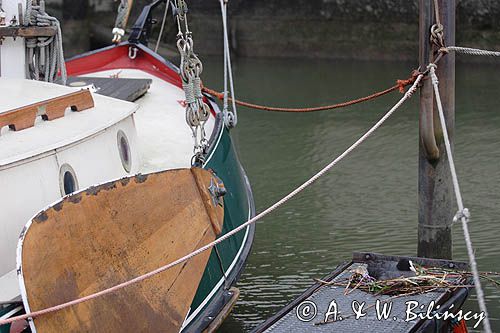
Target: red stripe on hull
x,y
117,58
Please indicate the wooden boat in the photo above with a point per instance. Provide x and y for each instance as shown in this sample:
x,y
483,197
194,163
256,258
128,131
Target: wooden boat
x,y
51,157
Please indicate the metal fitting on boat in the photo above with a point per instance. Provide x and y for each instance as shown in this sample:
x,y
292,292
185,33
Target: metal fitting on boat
x,y
217,191
2,17
118,33
132,52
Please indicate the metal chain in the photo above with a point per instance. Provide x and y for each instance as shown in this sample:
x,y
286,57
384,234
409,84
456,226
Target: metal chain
x,y
191,68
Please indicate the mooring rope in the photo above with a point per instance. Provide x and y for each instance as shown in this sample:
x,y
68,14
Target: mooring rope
x,y
253,220
400,85
463,213
471,51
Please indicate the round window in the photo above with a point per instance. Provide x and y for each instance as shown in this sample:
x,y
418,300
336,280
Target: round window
x,y
67,180
124,150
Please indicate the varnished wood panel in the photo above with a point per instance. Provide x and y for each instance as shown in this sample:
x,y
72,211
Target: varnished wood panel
x,y
112,233
27,32
24,117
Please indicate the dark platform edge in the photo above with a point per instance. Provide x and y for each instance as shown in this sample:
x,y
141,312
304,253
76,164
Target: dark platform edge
x,y
457,298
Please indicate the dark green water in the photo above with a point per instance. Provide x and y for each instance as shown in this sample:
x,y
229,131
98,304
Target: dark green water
x,y
367,202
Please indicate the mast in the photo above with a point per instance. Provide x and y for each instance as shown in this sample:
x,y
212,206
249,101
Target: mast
x,y
435,191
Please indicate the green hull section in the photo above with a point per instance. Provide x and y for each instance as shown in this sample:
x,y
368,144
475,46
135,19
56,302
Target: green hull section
x,y
231,254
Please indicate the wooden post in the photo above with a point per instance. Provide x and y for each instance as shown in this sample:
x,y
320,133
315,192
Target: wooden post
x,y
435,190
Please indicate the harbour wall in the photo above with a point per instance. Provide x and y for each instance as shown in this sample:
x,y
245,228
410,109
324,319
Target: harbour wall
x,y
336,29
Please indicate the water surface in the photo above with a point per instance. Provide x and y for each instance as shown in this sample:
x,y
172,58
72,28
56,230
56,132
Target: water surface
x,y
369,201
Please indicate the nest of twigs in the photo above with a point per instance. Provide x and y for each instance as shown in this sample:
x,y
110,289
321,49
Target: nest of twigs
x,y
425,280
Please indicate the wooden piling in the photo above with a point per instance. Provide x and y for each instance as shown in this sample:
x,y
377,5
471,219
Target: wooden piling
x,y
435,191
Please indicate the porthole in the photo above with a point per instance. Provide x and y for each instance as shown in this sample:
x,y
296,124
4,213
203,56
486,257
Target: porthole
x,y
124,150
68,182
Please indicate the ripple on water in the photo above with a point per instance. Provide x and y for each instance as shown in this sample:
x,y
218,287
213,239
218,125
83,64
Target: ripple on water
x,y
368,201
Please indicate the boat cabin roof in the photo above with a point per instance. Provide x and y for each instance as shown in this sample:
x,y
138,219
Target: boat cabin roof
x,y
47,136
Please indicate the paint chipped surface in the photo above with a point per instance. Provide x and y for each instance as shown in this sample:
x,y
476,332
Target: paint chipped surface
x,y
140,178
23,232
94,190
125,181
58,206
75,198
41,217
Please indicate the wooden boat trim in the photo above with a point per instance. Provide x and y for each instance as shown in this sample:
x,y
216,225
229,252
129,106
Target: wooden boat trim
x,y
226,310
27,32
24,117
203,180
120,110
106,59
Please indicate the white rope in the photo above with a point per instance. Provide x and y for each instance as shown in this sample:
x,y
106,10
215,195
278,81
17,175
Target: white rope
x,y
162,26
471,51
44,55
230,117
463,213
253,220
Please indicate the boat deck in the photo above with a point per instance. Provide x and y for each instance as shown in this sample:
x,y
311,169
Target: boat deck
x,y
65,131
125,89
165,139
322,295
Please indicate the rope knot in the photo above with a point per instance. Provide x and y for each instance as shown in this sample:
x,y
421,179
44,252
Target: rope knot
x,y
462,214
189,92
432,69
437,34
403,83
444,50
431,65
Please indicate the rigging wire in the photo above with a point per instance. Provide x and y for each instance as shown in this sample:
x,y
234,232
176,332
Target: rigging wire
x,y
230,117
160,34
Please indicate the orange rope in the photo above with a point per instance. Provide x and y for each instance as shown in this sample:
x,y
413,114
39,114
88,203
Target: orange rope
x,y
400,85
